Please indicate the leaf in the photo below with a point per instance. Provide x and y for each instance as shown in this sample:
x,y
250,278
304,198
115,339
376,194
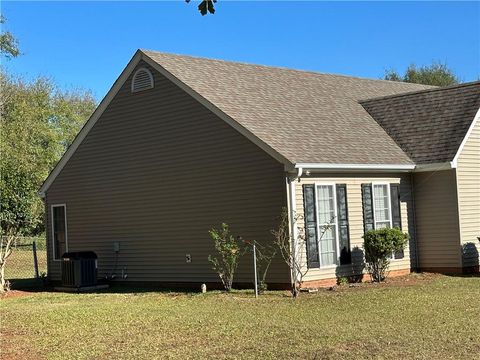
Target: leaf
x,y
203,8
206,6
211,8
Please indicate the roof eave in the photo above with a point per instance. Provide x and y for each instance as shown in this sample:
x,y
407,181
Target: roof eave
x,y
447,165
90,123
326,167
218,112
140,55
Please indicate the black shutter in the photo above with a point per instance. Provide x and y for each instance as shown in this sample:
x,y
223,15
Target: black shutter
x,y
343,233
367,202
395,201
396,212
309,206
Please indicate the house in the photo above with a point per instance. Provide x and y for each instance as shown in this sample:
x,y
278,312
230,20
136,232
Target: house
x,y
181,144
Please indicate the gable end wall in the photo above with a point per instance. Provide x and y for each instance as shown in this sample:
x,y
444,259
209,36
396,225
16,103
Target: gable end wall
x,y
468,180
155,173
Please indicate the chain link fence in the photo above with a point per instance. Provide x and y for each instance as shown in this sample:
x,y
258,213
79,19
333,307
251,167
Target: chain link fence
x,y
27,262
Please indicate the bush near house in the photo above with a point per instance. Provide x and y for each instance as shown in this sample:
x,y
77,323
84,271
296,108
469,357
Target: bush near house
x,y
379,246
229,250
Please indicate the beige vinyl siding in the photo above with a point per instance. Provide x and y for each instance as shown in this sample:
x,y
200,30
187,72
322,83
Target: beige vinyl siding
x,y
468,182
156,172
355,219
436,217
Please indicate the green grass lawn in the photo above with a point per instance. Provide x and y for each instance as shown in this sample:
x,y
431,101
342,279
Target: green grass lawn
x,y
419,317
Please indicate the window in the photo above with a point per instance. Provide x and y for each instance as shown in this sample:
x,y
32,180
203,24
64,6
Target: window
x,y
327,235
383,210
59,231
327,224
381,206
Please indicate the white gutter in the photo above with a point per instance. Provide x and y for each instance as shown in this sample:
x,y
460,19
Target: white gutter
x,y
356,167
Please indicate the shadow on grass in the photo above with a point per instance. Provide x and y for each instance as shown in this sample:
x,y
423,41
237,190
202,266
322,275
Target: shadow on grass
x,y
31,284
40,285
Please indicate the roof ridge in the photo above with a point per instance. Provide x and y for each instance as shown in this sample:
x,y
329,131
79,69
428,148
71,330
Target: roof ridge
x,y
415,92
146,51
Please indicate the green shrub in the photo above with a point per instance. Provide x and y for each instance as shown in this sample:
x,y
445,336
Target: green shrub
x,y
229,251
379,245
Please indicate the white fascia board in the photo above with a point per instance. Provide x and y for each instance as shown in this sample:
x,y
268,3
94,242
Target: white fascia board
x,y
91,122
355,167
464,141
434,167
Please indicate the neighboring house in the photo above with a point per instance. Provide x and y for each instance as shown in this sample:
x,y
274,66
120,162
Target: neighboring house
x,y
181,144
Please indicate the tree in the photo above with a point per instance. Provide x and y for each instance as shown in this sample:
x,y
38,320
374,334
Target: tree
x,y
206,6
436,74
8,43
291,251
37,123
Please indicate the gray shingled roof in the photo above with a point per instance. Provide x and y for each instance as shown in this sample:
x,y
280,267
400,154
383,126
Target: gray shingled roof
x,y
305,116
428,125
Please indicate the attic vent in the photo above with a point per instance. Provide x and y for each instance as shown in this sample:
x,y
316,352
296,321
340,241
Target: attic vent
x,y
142,80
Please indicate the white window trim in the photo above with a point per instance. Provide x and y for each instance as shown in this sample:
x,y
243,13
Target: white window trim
x,y
337,245
52,229
389,207
389,202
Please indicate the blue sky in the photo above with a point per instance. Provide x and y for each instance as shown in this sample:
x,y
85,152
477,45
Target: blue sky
x,y
87,44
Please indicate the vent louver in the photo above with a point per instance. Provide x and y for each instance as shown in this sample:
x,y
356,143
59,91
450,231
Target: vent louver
x,y
142,80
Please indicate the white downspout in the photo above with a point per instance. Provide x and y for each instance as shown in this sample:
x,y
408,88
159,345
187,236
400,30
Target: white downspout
x,y
292,205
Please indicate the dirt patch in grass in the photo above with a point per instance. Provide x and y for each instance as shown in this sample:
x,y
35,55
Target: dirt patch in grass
x,y
15,294
413,279
13,349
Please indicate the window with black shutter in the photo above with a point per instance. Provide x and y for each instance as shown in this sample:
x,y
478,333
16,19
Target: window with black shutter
x,y
381,208
326,223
